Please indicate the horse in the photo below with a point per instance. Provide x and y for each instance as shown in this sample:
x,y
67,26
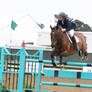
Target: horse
x,y
62,45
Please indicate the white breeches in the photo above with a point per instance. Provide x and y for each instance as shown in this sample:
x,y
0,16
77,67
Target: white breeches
x,y
71,32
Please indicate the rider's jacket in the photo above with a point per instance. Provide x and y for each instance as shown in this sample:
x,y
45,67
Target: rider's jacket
x,y
66,24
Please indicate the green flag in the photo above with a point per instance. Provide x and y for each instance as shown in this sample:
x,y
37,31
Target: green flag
x,y
13,25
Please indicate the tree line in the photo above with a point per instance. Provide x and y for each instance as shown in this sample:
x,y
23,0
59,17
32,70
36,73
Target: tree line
x,y
81,26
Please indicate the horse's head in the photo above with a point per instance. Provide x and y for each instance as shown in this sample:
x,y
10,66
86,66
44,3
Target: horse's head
x,y
55,35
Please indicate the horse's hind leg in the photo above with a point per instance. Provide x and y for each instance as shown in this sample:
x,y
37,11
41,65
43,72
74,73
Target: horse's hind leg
x,y
86,55
80,52
53,59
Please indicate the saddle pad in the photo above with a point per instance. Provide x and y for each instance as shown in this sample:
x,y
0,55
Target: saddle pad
x,y
77,40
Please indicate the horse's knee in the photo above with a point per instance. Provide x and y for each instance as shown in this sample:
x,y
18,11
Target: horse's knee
x,y
52,55
60,56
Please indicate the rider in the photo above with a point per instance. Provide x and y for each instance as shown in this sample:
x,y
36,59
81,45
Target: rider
x,y
68,26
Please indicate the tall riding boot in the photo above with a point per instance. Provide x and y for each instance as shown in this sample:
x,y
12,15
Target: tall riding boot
x,y
76,46
75,43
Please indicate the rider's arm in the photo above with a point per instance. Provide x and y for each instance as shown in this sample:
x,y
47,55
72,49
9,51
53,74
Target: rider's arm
x,y
59,23
68,25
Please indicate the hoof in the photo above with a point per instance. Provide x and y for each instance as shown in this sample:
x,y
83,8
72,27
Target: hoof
x,y
82,58
54,64
86,58
62,66
62,63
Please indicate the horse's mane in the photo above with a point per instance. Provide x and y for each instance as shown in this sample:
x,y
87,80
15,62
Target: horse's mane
x,y
57,28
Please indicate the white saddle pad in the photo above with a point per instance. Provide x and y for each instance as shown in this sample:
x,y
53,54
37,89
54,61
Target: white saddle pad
x,y
77,40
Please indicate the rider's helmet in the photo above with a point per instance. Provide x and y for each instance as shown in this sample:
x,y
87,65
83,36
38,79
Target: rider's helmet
x,y
61,14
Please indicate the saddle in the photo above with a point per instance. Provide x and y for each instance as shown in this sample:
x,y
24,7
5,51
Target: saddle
x,y
70,38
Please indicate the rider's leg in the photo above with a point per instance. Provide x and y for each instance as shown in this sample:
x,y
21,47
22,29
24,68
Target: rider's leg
x,y
75,43
71,33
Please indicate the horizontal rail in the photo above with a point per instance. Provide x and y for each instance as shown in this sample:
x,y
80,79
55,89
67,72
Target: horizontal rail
x,y
57,62
11,90
66,84
10,72
67,74
30,89
47,91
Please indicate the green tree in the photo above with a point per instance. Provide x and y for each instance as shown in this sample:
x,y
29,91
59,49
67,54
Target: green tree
x,y
80,26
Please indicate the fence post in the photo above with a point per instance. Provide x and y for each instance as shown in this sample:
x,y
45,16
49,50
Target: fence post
x,y
39,70
1,68
21,71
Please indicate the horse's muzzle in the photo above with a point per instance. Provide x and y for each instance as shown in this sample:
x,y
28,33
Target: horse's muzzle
x,y
52,45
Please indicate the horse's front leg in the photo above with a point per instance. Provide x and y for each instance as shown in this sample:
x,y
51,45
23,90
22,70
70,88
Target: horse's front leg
x,y
53,59
61,59
61,56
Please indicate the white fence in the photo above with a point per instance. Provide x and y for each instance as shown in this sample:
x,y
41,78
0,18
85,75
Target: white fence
x,y
44,40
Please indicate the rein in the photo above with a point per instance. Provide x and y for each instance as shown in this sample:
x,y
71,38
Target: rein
x,y
69,37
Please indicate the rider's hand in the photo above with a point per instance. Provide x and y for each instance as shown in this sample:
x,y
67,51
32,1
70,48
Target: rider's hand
x,y
63,30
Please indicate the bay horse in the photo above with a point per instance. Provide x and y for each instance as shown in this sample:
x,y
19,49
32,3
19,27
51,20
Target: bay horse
x,y
62,46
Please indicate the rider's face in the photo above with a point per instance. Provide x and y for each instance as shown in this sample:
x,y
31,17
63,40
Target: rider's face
x,y
61,18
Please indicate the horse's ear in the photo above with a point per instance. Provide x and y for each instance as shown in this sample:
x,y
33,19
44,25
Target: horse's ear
x,y
51,27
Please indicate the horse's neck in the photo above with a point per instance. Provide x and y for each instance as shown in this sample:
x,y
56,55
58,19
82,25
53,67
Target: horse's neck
x,y
62,40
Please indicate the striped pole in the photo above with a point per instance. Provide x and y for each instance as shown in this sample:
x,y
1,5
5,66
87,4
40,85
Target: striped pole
x,y
48,91
66,84
57,62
